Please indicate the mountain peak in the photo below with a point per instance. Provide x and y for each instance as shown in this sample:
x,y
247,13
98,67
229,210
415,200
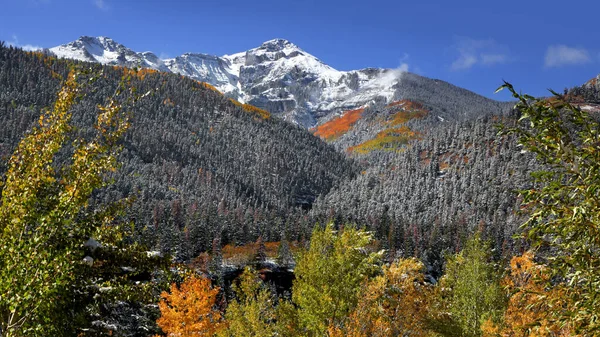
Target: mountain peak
x,y
277,45
96,39
105,50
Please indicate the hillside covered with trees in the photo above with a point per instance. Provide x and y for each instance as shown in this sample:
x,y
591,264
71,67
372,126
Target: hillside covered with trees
x,y
135,193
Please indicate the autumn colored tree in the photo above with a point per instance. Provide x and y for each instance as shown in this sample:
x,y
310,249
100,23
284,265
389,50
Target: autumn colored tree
x,y
563,202
329,276
189,310
532,303
393,304
252,313
287,322
45,218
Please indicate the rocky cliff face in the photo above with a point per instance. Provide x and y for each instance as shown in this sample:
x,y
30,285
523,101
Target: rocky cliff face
x,y
277,76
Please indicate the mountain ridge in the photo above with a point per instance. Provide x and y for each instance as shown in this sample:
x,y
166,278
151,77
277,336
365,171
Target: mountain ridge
x,y
277,76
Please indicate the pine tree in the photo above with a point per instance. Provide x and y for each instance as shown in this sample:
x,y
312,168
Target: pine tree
x,y
284,254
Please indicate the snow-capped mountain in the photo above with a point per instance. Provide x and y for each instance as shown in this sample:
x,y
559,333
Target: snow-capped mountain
x,y
106,51
207,68
284,79
277,76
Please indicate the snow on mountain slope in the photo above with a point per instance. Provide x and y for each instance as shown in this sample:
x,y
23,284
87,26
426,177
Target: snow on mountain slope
x,y
277,76
207,68
106,51
282,78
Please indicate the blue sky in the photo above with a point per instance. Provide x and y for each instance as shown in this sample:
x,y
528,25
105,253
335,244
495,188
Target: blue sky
x,y
473,44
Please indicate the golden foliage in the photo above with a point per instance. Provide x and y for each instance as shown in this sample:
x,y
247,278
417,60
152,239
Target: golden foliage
x,y
208,86
395,133
532,304
43,213
339,125
264,114
394,304
388,139
244,254
410,110
189,310
252,312
137,73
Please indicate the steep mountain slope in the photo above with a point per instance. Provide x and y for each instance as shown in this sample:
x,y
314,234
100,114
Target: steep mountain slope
x,y
285,80
200,166
587,95
425,104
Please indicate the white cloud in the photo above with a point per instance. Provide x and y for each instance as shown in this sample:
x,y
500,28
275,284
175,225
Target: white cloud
x,y
471,52
389,77
101,4
27,47
464,61
561,55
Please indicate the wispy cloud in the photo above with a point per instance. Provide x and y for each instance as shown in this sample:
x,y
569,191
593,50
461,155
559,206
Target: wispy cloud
x,y
101,4
388,78
28,47
561,55
470,52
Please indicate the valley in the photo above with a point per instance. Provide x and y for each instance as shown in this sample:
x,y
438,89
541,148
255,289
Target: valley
x,y
272,159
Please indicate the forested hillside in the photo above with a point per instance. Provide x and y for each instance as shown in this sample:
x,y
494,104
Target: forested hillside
x,y
422,195
427,197
198,165
202,167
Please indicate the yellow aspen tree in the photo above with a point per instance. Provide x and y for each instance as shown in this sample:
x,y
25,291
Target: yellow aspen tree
x,y
252,313
43,207
329,276
189,310
532,303
394,304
